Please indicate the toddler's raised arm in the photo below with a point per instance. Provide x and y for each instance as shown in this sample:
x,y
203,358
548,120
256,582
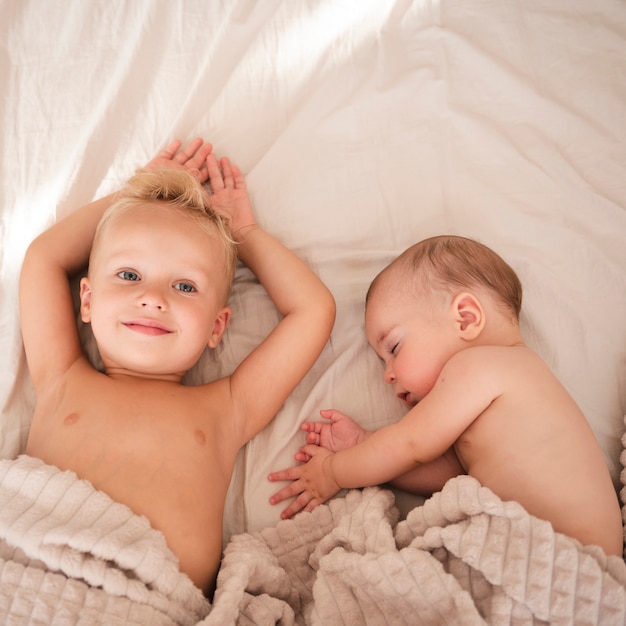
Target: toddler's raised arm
x,y
266,377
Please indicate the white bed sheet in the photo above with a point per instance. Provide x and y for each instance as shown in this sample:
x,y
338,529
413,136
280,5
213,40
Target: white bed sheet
x,y
363,126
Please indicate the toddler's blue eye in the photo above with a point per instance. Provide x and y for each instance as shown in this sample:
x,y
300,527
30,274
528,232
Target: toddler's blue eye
x,y
186,287
128,275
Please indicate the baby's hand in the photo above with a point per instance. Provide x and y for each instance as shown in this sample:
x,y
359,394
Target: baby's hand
x,y
230,195
343,432
311,483
193,158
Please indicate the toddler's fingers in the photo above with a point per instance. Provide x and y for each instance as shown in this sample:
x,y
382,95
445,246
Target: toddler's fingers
x,y
189,151
238,178
227,172
169,151
198,160
215,174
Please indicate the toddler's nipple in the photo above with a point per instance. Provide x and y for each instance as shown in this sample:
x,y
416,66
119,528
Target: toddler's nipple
x,y
70,419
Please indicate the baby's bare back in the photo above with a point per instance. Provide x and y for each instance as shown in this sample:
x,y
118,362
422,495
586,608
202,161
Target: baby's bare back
x,y
164,450
534,445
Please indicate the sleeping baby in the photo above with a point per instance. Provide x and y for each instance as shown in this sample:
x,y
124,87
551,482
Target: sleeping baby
x,y
444,320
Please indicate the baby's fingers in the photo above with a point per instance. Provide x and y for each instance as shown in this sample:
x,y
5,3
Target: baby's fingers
x,y
289,491
291,473
312,426
332,415
313,437
303,502
283,494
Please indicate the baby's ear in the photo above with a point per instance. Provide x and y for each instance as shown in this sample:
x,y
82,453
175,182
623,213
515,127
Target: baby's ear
x,y
85,300
469,315
219,326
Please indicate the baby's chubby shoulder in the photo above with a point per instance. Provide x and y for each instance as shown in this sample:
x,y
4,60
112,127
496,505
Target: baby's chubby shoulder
x,y
493,361
492,354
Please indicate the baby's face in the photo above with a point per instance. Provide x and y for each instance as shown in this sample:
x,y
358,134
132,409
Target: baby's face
x,y
413,339
155,291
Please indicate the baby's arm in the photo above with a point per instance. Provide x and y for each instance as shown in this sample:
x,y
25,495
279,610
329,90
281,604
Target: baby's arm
x,y
427,478
46,307
422,437
265,378
376,460
343,432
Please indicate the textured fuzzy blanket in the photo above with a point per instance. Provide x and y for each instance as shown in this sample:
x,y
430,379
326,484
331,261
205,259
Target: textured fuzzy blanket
x,y
70,555
465,557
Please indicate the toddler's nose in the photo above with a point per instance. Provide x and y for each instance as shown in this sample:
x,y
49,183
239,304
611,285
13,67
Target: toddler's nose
x,y
153,298
150,304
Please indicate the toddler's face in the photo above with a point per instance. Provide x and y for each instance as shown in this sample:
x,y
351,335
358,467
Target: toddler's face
x,y
154,295
413,339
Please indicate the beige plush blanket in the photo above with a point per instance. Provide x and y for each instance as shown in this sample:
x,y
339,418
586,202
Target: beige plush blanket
x,y
465,557
70,555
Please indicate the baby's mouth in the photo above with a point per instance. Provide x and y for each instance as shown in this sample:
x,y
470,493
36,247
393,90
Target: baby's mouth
x,y
406,397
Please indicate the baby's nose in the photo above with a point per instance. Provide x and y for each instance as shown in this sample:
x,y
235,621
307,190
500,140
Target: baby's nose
x,y
389,376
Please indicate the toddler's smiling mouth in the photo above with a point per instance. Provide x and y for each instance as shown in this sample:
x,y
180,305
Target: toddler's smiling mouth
x,y
147,327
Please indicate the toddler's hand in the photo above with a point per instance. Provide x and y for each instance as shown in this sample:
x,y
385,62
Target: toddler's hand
x,y
193,158
230,195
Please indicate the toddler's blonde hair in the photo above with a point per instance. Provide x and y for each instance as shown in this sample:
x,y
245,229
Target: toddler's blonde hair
x,y
179,190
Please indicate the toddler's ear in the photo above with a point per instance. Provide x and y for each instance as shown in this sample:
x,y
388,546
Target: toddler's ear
x,y
85,300
219,326
469,315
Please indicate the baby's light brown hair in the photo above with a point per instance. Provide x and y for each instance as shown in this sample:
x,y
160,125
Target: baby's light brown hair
x,y
181,191
450,263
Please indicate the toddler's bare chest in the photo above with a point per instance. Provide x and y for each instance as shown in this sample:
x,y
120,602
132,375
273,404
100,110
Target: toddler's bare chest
x,y
101,428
